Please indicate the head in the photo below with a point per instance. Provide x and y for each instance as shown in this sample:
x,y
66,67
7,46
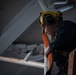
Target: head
x,y
49,21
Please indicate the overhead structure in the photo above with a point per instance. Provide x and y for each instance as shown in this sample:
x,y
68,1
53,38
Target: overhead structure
x,y
19,24
50,6
72,63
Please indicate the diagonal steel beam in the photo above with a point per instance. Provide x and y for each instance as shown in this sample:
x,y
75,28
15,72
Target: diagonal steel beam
x,y
19,24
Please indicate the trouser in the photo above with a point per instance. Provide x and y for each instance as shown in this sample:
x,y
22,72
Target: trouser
x,y
62,63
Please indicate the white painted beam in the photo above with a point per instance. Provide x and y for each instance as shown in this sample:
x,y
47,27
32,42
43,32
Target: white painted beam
x,y
62,9
60,2
22,62
19,24
43,6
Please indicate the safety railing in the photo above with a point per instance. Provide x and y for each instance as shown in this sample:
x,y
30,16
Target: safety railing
x,y
72,63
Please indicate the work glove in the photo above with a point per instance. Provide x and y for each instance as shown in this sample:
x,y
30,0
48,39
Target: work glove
x,y
47,50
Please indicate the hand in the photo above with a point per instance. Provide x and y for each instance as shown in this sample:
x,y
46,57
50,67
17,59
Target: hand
x,y
47,51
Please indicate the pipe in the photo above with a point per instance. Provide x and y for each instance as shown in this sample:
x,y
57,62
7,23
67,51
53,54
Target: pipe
x,y
48,63
60,2
45,64
22,62
66,8
27,56
43,6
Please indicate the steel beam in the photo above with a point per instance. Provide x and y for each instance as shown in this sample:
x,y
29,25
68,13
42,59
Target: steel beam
x,y
19,24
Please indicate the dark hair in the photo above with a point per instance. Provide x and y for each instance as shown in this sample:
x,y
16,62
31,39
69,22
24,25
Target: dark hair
x,y
51,20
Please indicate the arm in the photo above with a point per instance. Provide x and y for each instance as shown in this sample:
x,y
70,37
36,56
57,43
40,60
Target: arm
x,y
64,38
